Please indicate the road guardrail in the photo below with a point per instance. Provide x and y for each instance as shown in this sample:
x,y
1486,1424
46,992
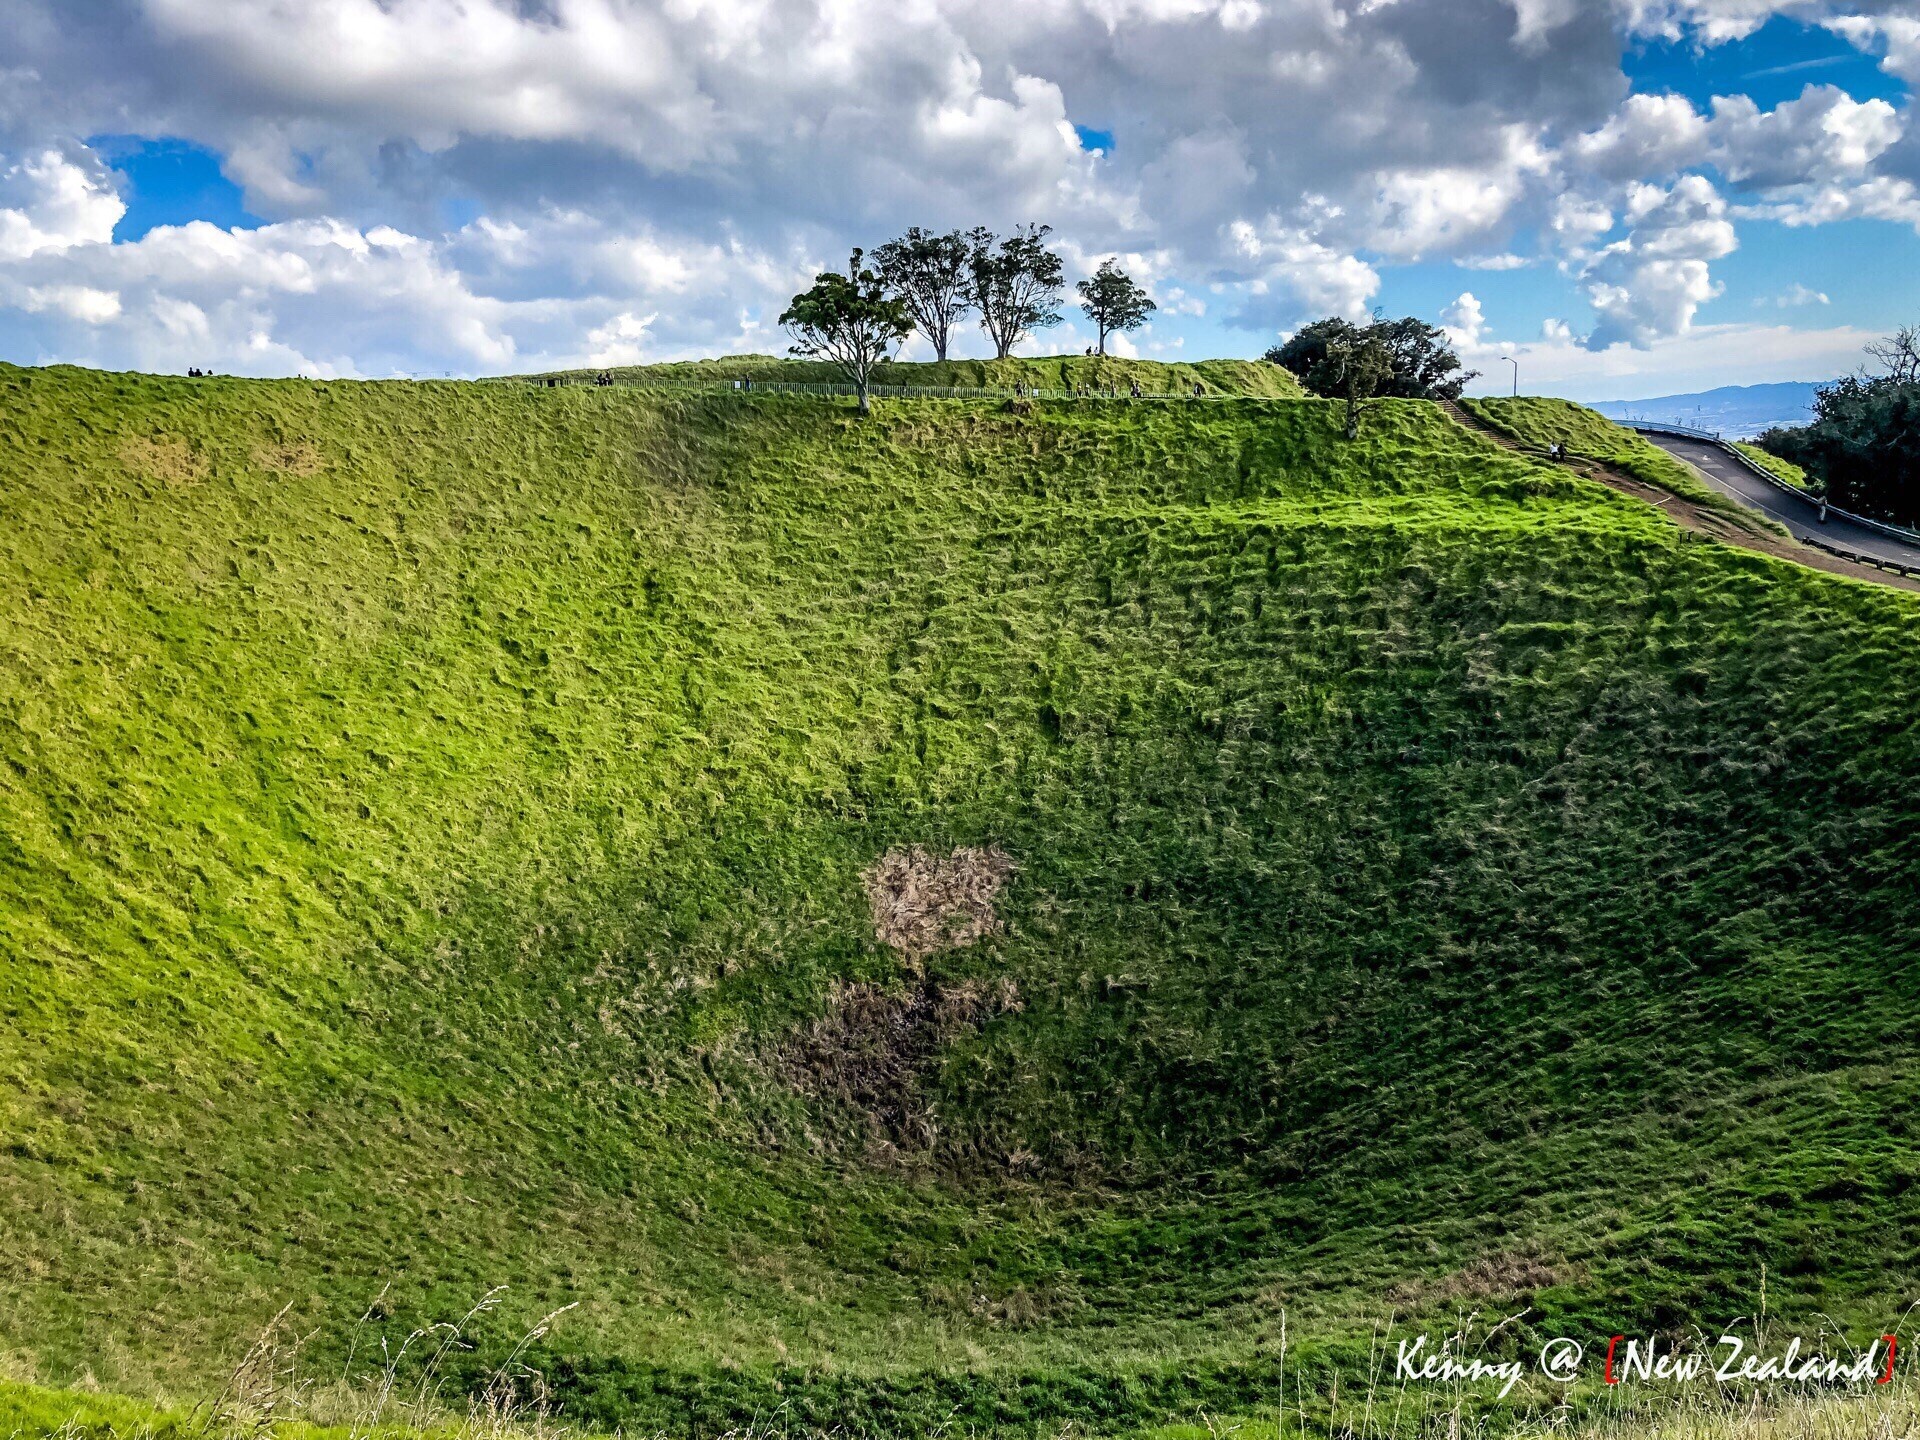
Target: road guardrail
x,y
1712,437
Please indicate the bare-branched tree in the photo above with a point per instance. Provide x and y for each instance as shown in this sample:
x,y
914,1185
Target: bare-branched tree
x,y
1899,354
1015,285
931,274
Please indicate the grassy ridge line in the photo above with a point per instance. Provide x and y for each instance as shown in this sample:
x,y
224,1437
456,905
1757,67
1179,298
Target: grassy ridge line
x,y
1251,378
1540,422
424,805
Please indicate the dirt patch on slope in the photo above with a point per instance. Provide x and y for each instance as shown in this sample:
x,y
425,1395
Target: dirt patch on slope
x,y
1505,1275
875,1050
923,901
874,1054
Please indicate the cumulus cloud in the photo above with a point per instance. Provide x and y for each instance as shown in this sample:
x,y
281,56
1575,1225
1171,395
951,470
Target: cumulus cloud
x,y
49,202
1896,36
1465,322
1825,135
1578,221
1649,285
653,177
1446,207
323,298
1293,273
76,302
1649,134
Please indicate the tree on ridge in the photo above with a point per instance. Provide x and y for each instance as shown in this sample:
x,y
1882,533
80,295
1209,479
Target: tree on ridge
x,y
1113,302
1015,285
849,319
1422,365
932,275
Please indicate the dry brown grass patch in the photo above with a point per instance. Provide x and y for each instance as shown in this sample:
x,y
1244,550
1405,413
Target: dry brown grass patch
x,y
923,901
874,1049
1502,1275
171,461
289,457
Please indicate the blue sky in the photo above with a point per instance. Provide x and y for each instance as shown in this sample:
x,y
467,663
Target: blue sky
x,y
1630,197
170,182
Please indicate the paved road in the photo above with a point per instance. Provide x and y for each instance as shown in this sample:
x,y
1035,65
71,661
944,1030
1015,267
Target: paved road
x,y
1802,517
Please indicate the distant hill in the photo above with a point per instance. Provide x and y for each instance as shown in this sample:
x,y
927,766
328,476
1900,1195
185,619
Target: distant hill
x,y
1738,410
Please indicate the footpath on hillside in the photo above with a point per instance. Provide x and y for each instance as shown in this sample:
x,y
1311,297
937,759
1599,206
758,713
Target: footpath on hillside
x,y
1692,516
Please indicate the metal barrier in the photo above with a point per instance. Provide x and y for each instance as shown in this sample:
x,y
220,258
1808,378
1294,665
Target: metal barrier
x,y
1879,527
1664,427
1878,562
957,392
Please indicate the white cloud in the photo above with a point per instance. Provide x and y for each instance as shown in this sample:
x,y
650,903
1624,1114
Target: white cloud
x,y
1649,286
1712,22
1445,207
692,161
1289,264
1823,135
1538,19
1897,36
321,297
77,302
621,341
1794,297
1706,356
1178,302
1577,222
1465,322
1648,135
50,203
1880,198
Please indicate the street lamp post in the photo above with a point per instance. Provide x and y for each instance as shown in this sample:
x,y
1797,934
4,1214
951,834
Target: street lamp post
x,y
1516,373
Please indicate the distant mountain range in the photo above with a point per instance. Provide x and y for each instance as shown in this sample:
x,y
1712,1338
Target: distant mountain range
x,y
1736,410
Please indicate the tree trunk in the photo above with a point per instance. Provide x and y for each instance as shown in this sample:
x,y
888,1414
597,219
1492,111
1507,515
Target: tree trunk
x,y
1101,348
861,386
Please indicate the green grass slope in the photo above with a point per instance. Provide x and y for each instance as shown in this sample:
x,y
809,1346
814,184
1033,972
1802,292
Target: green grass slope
x,y
1785,470
1540,421
431,828
1253,378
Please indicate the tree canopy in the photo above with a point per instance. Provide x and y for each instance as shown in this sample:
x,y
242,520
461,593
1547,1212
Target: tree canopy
x,y
931,275
1113,302
1015,285
1421,364
849,319
1863,446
